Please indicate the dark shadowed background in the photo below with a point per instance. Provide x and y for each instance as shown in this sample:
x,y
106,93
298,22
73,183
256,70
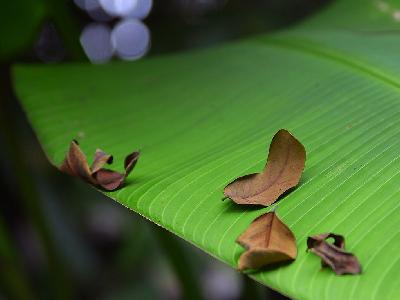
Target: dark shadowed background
x,y
59,238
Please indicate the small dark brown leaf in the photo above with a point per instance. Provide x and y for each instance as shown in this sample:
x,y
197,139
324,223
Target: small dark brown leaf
x,y
267,241
109,180
75,164
283,170
130,161
334,255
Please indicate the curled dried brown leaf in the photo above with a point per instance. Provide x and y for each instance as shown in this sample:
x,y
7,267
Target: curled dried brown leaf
x,y
334,254
100,159
285,163
75,164
267,241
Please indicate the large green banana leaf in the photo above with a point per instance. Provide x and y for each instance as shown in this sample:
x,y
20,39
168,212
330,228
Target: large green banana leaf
x,y
204,117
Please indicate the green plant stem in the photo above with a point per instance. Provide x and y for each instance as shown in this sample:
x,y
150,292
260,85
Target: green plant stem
x,y
179,262
28,190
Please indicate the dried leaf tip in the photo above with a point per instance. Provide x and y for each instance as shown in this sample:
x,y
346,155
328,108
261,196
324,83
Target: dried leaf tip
x,y
267,241
75,164
285,164
334,255
100,159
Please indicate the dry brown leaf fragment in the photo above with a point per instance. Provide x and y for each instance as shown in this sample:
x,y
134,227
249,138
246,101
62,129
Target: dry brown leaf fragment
x,y
111,180
267,241
130,161
75,164
285,163
334,254
100,159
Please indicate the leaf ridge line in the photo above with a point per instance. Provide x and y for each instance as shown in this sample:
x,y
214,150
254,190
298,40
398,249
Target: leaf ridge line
x,y
318,50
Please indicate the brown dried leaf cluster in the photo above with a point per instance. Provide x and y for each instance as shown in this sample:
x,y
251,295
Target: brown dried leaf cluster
x,y
75,164
282,172
334,255
267,241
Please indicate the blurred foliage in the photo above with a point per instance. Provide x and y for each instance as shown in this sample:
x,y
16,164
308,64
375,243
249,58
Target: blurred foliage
x,y
20,22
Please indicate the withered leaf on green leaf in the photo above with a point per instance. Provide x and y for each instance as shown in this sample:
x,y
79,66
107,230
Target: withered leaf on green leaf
x,y
267,241
75,164
334,254
285,163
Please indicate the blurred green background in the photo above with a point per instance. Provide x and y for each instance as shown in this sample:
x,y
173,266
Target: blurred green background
x,y
59,238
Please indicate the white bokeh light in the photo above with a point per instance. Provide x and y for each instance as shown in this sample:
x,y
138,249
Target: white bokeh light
x,y
99,15
130,39
94,10
91,5
396,15
118,7
140,10
383,6
96,42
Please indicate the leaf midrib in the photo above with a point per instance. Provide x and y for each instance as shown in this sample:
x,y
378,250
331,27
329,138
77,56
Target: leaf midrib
x,y
320,51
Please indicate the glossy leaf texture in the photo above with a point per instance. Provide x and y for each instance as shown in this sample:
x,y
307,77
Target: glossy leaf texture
x,y
205,117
